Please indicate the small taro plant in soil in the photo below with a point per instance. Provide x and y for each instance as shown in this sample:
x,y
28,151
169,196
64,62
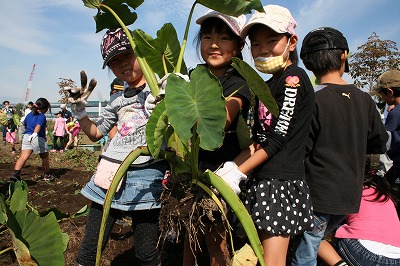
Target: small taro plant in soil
x,y
36,236
183,121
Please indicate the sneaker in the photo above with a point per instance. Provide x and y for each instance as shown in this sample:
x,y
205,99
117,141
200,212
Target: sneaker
x,y
48,177
15,178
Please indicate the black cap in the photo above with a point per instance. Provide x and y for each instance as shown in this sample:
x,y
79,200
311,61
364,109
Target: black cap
x,y
333,39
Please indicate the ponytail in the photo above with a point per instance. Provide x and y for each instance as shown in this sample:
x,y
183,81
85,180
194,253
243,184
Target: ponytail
x,y
40,104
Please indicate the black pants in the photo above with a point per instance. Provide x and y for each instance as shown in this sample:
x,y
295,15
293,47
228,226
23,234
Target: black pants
x,y
145,232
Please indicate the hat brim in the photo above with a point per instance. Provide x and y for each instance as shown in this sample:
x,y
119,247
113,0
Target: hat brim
x,y
115,53
246,28
200,20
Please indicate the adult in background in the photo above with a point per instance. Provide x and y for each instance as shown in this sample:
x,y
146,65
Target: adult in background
x,y
21,128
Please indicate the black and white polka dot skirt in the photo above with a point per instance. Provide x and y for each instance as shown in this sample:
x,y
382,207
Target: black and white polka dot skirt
x,y
280,207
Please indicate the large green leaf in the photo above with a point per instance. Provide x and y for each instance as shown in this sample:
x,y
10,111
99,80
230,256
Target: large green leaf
x,y
256,84
19,196
199,101
42,236
106,20
162,50
156,129
233,7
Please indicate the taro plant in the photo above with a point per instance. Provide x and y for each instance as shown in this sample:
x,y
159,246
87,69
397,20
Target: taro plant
x,y
36,237
183,120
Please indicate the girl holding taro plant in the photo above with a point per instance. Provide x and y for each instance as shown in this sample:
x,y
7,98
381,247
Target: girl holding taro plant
x,y
218,40
138,193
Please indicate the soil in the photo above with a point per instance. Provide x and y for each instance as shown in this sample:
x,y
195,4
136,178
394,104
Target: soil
x,y
63,193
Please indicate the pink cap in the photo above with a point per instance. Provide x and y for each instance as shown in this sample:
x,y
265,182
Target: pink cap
x,y
275,17
234,23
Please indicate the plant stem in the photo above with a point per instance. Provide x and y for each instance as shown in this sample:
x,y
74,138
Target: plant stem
x,y
184,41
5,250
147,71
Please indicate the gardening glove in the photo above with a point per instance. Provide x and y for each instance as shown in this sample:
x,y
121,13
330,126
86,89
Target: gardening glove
x,y
162,83
78,97
32,137
230,173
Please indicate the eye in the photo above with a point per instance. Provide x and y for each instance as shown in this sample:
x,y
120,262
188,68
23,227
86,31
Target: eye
x,y
206,37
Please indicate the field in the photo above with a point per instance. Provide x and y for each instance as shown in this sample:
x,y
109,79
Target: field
x,y
72,170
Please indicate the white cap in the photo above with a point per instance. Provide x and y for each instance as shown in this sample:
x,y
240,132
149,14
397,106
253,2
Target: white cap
x,y
278,18
234,23
63,105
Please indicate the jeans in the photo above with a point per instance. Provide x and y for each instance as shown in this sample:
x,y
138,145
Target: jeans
x,y
145,232
306,245
355,254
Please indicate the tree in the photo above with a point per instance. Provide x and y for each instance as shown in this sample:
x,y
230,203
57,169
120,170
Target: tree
x,y
372,59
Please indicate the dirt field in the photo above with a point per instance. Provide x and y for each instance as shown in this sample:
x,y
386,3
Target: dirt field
x,y
63,193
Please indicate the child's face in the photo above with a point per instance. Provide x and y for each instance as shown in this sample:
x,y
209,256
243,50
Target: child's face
x,y
267,43
126,67
217,50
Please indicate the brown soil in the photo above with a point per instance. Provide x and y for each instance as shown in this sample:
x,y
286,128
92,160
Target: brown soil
x,y
63,193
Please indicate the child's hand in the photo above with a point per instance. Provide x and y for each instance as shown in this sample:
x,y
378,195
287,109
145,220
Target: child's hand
x,y
32,137
78,97
230,173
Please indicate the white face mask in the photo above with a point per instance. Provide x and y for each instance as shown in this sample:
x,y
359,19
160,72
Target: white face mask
x,y
271,65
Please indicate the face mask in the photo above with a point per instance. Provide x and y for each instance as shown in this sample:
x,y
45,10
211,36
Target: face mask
x,y
271,65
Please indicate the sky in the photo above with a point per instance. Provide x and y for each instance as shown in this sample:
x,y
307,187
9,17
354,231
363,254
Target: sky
x,y
59,37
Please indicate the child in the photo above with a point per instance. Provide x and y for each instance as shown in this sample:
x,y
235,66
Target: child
x,y
218,40
60,127
73,129
277,198
34,139
345,127
389,89
367,238
141,188
11,134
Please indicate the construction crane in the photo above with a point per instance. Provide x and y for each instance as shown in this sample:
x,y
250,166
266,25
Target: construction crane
x,y
28,88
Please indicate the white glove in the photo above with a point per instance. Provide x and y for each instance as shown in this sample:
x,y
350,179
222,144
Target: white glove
x,y
162,83
230,173
78,97
32,137
9,130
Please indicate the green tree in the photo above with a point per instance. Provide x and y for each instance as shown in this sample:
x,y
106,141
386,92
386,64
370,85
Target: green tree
x,y
372,59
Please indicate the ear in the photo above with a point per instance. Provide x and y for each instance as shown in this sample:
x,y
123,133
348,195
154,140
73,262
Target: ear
x,y
293,42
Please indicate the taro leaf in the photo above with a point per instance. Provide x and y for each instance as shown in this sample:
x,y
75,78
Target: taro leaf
x,y
22,252
233,7
4,210
58,213
256,84
243,133
105,20
42,235
156,128
19,196
165,48
84,211
199,101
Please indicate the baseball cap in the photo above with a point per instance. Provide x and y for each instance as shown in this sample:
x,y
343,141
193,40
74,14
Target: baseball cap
x,y
331,39
278,18
114,42
234,23
63,105
389,79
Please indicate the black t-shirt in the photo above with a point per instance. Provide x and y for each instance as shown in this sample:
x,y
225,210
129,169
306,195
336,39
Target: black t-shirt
x,y
67,115
345,127
230,82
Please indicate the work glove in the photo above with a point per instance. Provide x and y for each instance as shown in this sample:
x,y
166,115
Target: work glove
x,y
152,101
9,130
32,137
230,173
77,97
